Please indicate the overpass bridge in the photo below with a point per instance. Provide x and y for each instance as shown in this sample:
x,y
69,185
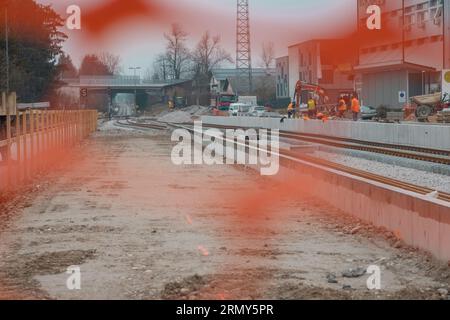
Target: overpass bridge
x,y
83,86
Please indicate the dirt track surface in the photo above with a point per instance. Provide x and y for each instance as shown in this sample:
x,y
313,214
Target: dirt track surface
x,y
141,228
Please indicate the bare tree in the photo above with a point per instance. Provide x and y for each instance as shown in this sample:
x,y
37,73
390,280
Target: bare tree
x,y
208,54
112,62
268,54
161,68
177,53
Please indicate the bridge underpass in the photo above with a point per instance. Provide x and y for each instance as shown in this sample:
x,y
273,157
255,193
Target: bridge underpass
x,y
90,91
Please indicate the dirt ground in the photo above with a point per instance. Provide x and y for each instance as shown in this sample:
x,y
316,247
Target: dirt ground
x,y
140,227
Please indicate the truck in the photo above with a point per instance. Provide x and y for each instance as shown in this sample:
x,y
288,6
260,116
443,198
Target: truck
x,y
249,100
223,101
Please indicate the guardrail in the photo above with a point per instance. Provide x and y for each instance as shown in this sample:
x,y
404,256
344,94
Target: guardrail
x,y
36,139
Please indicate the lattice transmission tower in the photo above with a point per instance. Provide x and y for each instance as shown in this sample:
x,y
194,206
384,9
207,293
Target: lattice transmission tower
x,y
243,48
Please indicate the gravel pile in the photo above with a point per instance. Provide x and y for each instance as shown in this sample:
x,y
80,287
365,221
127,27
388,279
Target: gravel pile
x,y
197,110
439,182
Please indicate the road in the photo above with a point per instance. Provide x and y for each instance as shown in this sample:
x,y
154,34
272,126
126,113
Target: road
x,y
141,228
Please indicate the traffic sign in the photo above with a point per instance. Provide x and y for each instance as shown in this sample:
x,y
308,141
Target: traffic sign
x,y
402,96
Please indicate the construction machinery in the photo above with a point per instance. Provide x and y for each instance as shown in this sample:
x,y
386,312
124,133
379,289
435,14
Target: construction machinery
x,y
303,87
222,101
430,104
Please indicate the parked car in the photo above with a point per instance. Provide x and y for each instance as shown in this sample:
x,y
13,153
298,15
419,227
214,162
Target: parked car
x,y
368,113
237,109
257,111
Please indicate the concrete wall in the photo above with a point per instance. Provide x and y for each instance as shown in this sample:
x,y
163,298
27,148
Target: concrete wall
x,y
421,135
419,221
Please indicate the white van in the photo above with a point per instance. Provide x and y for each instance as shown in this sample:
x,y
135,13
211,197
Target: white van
x,y
238,109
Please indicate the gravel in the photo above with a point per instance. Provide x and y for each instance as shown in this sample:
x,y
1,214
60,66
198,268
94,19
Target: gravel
x,y
439,182
176,117
185,115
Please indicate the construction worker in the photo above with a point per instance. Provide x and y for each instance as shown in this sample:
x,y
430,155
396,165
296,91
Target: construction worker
x,y
311,107
290,110
342,107
356,108
171,105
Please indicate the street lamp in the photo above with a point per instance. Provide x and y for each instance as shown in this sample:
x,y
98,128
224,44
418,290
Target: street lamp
x,y
135,69
7,48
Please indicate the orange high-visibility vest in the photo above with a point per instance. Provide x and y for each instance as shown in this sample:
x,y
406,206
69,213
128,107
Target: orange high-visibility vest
x,y
342,105
355,105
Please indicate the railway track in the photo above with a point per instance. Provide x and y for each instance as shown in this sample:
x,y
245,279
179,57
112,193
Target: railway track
x,y
402,151
130,124
290,155
297,157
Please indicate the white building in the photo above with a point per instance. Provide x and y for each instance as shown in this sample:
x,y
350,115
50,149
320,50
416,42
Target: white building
x,y
407,60
324,62
282,67
225,81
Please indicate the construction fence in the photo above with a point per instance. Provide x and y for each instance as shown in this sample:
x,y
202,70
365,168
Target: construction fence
x,y
34,140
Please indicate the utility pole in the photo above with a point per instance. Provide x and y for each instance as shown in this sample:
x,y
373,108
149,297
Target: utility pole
x,y
7,49
243,48
135,69
446,33
403,31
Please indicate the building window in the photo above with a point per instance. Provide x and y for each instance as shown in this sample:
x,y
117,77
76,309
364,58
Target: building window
x,y
409,20
421,18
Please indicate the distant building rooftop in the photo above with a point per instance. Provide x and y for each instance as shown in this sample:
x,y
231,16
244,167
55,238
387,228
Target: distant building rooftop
x,y
224,74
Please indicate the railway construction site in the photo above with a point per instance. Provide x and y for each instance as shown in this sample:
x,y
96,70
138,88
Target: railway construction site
x,y
139,226
225,159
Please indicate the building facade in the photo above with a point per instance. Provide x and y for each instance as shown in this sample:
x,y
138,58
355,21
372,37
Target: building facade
x,y
226,81
324,62
282,69
406,57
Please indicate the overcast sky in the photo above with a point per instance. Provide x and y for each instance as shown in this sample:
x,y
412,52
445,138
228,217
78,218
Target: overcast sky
x,y
139,39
